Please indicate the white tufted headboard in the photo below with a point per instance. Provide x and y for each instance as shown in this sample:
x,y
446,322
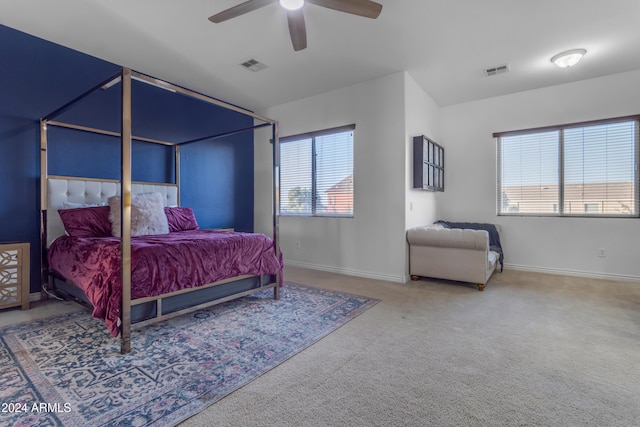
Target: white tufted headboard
x,y
92,191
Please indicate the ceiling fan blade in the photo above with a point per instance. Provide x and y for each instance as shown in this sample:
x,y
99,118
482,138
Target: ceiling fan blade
x,y
240,9
297,29
366,8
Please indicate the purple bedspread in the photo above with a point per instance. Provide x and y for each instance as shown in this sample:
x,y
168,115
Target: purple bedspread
x,y
159,264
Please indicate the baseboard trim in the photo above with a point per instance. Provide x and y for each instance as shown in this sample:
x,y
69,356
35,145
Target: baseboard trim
x,y
518,267
575,273
349,271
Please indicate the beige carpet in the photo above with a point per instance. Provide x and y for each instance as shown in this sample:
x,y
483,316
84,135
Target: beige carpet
x,y
531,350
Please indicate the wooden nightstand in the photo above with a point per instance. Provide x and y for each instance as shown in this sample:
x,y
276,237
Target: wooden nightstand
x,y
14,275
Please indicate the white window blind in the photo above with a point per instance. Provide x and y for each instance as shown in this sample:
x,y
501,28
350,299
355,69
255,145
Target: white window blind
x,y
296,177
316,173
573,170
529,175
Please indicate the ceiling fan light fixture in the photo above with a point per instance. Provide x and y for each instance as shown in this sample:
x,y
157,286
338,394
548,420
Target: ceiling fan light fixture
x,y
292,4
569,58
295,15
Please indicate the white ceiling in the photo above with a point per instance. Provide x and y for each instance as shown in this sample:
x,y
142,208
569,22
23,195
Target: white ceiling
x,y
444,44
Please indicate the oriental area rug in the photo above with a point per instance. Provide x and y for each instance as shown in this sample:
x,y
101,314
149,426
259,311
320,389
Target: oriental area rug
x,y
67,370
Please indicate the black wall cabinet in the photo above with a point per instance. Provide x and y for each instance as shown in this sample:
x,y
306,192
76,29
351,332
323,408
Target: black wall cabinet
x,y
428,164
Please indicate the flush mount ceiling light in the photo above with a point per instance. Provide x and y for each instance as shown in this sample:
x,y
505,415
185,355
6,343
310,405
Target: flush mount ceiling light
x,y
568,58
292,4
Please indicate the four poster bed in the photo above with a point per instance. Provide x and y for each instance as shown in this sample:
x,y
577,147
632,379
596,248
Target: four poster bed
x,y
129,251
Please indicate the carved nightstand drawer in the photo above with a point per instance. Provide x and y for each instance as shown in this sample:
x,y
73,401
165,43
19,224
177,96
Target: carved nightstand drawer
x,y
14,275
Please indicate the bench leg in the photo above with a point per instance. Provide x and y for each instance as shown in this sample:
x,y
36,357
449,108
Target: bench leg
x,y
481,287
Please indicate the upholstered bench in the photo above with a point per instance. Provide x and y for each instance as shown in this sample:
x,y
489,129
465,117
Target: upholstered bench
x,y
458,254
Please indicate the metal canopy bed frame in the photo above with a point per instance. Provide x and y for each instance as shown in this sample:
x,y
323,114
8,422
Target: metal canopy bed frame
x,y
125,77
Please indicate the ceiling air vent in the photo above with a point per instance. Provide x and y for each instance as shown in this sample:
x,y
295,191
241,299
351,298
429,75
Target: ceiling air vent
x,y
497,70
254,65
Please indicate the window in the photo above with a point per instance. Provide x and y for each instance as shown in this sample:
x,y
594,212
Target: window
x,y
585,169
316,173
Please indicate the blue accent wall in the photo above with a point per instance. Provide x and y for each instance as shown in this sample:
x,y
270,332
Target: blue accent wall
x,y
37,77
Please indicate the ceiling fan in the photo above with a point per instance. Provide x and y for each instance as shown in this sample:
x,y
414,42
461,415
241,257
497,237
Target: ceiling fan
x,y
295,17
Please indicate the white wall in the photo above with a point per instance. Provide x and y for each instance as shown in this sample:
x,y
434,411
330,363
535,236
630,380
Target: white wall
x,y
388,112
372,244
422,118
561,245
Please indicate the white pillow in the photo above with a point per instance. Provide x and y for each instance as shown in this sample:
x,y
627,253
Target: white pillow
x,y
72,205
147,215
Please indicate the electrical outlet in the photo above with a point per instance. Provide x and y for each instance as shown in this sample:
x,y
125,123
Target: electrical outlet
x,y
602,252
